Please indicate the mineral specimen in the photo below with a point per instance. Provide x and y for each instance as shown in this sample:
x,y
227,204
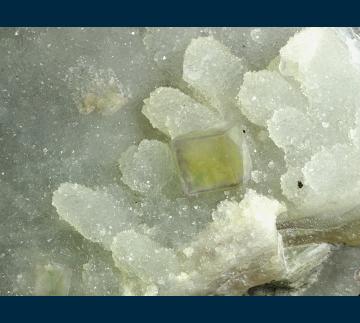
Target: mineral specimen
x,y
241,248
98,90
204,161
97,215
211,160
148,167
213,72
174,113
311,119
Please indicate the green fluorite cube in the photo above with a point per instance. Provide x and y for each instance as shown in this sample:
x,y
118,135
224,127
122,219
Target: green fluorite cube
x,y
209,160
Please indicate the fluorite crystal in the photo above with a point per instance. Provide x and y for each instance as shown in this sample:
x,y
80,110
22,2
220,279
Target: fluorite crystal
x,y
180,161
211,160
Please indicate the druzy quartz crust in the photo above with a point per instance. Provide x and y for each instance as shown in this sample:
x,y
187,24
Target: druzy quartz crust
x,y
180,161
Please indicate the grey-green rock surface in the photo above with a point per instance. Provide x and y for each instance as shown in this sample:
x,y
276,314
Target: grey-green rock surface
x,y
91,196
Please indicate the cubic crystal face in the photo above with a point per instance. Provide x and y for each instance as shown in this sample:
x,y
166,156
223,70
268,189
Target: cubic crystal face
x,y
209,160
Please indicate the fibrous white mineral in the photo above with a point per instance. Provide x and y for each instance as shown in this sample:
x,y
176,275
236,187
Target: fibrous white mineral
x,y
303,266
303,263
148,167
213,72
175,113
241,248
341,269
340,230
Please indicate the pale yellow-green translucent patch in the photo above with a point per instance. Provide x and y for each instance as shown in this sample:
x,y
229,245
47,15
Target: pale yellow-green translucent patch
x,y
105,102
208,161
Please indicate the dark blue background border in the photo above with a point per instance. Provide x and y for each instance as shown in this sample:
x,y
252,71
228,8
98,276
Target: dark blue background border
x,y
180,309
179,13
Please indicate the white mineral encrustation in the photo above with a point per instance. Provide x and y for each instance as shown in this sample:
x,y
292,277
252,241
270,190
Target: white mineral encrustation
x,y
237,174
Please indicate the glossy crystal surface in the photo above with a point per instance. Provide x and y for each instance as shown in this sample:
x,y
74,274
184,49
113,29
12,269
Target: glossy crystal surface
x,y
208,161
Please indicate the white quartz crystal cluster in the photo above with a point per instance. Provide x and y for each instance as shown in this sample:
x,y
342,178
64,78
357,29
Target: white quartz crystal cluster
x,y
217,252
308,104
98,208
236,248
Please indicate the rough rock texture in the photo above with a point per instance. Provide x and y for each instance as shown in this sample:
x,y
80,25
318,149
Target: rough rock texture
x,y
148,167
175,113
312,118
213,72
90,196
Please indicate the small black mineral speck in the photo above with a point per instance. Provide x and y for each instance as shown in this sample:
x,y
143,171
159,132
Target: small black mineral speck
x,y
300,184
244,131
